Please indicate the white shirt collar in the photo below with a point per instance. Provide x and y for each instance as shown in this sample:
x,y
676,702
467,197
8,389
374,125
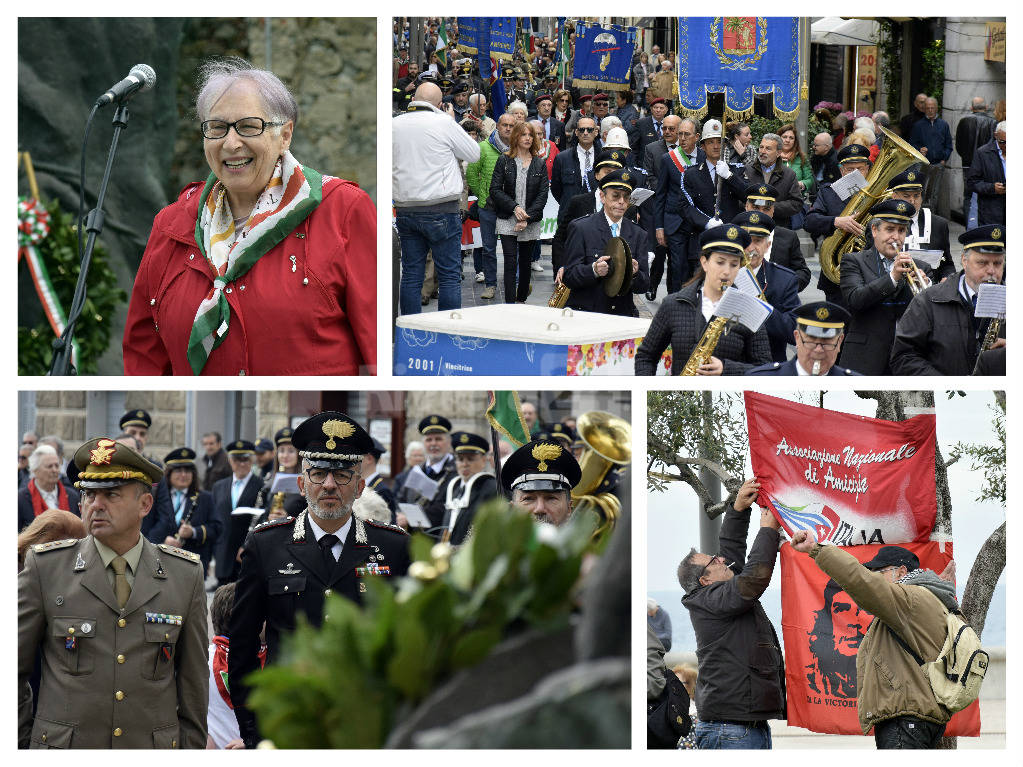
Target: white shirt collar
x,y
438,465
611,223
341,534
243,480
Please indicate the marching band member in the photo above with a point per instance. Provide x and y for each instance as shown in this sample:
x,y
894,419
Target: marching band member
x,y
465,492
818,336
939,334
783,246
682,317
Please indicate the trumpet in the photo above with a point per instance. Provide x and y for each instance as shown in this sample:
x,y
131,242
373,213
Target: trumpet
x,y
916,279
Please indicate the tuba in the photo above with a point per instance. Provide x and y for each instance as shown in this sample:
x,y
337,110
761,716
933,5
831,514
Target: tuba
x,y
896,156
608,441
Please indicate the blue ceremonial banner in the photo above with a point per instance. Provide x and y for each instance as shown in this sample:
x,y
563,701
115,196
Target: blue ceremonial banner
x,y
603,57
502,36
740,55
468,33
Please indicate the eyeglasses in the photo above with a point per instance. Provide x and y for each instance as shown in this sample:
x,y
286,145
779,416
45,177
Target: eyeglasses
x,y
809,342
249,127
585,130
712,560
341,476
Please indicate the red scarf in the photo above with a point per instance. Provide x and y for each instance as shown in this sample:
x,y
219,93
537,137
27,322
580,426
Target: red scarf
x,y
39,505
223,645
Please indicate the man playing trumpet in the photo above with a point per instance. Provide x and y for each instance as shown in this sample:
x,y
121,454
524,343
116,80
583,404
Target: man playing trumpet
x,y
877,286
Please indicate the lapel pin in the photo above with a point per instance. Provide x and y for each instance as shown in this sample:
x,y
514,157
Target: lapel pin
x,y
79,563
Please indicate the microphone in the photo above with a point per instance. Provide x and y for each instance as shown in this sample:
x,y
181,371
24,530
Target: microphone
x,y
140,78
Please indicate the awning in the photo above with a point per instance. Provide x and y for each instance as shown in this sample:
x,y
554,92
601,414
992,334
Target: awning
x,y
833,30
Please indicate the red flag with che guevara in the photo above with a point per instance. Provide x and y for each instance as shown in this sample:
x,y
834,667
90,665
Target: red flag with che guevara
x,y
822,628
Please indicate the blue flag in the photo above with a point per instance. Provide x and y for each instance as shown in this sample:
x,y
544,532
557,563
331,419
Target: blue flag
x,y
603,57
502,36
740,56
468,33
490,74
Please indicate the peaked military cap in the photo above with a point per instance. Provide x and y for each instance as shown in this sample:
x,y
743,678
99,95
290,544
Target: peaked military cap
x,y
135,418
102,462
611,158
378,449
853,153
183,456
822,319
331,440
908,179
761,194
240,447
894,211
467,442
283,436
541,465
727,238
986,239
460,87
434,424
756,223
621,179
263,445
562,433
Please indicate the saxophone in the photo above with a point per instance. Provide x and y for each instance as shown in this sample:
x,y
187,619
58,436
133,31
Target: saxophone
x,y
705,347
989,340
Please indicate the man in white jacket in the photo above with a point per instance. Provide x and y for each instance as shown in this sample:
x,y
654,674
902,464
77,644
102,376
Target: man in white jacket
x,y
427,145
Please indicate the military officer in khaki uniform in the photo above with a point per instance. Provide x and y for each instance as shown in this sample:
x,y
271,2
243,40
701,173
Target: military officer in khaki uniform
x,y
290,566
119,623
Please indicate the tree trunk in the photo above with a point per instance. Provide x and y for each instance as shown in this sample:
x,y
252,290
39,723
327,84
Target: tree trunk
x,y
984,575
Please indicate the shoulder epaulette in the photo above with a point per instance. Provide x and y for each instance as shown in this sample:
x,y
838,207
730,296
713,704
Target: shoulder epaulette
x,y
174,550
273,523
39,548
386,526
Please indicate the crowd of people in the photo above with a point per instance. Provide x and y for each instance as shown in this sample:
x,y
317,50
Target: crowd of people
x,y
737,646
130,545
455,159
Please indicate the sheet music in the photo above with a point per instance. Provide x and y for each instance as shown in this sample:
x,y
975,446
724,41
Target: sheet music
x,y
249,511
640,195
930,257
848,185
744,308
285,483
416,516
990,300
746,281
421,483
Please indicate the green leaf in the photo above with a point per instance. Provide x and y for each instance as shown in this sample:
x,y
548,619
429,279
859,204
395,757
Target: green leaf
x,y
473,647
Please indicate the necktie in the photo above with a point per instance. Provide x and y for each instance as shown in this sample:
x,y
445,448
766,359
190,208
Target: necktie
x,y
327,544
973,300
657,127
179,505
586,173
614,230
121,587
236,491
546,130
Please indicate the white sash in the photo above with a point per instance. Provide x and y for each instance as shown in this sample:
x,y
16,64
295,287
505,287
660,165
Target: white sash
x,y
455,505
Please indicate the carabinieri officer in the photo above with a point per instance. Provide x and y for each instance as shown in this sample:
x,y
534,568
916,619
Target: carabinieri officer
x,y
292,564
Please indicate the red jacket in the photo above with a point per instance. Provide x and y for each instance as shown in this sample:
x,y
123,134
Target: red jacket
x,y
307,307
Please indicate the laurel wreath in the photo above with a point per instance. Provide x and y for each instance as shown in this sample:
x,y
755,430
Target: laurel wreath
x,y
746,62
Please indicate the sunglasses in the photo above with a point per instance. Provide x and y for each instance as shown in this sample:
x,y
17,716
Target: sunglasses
x,y
585,130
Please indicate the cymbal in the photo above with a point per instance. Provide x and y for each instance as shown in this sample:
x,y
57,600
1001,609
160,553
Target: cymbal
x,y
618,281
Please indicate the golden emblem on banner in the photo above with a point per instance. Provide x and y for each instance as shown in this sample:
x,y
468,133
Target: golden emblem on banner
x,y
734,40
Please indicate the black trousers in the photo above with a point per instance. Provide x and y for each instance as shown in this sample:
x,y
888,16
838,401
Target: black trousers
x,y
907,732
517,257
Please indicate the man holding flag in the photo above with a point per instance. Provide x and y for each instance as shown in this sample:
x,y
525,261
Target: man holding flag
x,y
741,679
894,695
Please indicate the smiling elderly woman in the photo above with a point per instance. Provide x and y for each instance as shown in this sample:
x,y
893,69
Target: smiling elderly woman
x,y
267,268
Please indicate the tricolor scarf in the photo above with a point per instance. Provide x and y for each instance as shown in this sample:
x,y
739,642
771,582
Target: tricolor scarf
x,y
222,647
39,505
293,193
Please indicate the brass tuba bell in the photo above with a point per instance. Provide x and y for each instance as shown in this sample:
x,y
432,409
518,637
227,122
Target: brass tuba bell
x,y
608,440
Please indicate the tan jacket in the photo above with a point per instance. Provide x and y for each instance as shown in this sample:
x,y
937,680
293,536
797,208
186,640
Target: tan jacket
x,y
112,678
889,682
662,85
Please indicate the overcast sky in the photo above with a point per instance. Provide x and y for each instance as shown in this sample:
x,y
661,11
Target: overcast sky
x,y
673,525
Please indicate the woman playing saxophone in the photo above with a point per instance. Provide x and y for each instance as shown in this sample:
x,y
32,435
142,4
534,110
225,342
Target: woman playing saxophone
x,y
684,316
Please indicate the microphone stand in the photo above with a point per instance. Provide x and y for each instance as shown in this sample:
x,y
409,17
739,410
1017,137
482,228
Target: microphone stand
x,y
62,347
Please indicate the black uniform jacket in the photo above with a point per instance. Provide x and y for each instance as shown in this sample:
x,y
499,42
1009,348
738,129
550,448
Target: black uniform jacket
x,y
876,304
587,238
938,240
937,334
283,573
235,527
483,489
679,323
742,674
502,187
981,177
198,507
788,368
786,251
782,292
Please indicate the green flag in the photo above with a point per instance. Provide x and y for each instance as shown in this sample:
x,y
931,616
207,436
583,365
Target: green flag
x,y
505,415
442,45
